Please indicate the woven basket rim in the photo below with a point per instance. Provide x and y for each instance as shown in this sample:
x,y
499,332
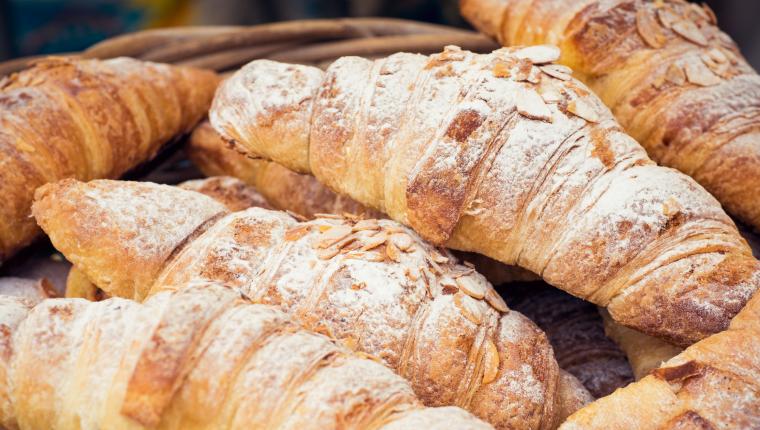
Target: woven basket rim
x,y
311,41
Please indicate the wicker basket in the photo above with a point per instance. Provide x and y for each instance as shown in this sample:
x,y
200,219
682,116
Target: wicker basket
x,y
314,42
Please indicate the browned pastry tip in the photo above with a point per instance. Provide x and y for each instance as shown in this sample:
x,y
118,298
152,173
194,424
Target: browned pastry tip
x,y
87,119
282,188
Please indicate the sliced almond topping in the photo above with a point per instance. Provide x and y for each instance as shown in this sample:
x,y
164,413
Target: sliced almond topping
x,y
436,268
430,282
402,241
539,54
659,81
474,211
689,31
374,241
366,224
324,227
531,105
699,74
717,55
470,286
490,362
411,274
460,271
675,75
582,108
346,241
558,71
667,17
439,258
328,216
469,307
550,94
392,252
448,285
333,236
328,253
358,285
534,77
522,71
494,299
671,207
297,232
501,70
649,30
374,257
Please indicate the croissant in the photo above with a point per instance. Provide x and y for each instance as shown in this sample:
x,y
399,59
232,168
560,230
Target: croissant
x,y
282,188
86,119
645,353
371,283
675,81
303,195
199,358
506,155
713,384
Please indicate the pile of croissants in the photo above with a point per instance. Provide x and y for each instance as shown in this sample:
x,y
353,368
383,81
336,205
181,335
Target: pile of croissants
x,y
320,278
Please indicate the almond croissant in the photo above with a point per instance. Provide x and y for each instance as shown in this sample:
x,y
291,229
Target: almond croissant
x,y
371,283
87,119
302,194
676,82
199,358
506,155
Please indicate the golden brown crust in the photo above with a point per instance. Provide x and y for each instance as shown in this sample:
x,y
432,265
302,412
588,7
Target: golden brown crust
x,y
645,353
712,384
199,358
65,210
233,193
301,194
545,180
86,119
675,81
282,188
371,283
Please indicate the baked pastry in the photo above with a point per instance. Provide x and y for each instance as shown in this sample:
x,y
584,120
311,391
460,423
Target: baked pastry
x,y
87,119
283,189
645,353
202,357
504,154
673,79
373,284
303,195
713,384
